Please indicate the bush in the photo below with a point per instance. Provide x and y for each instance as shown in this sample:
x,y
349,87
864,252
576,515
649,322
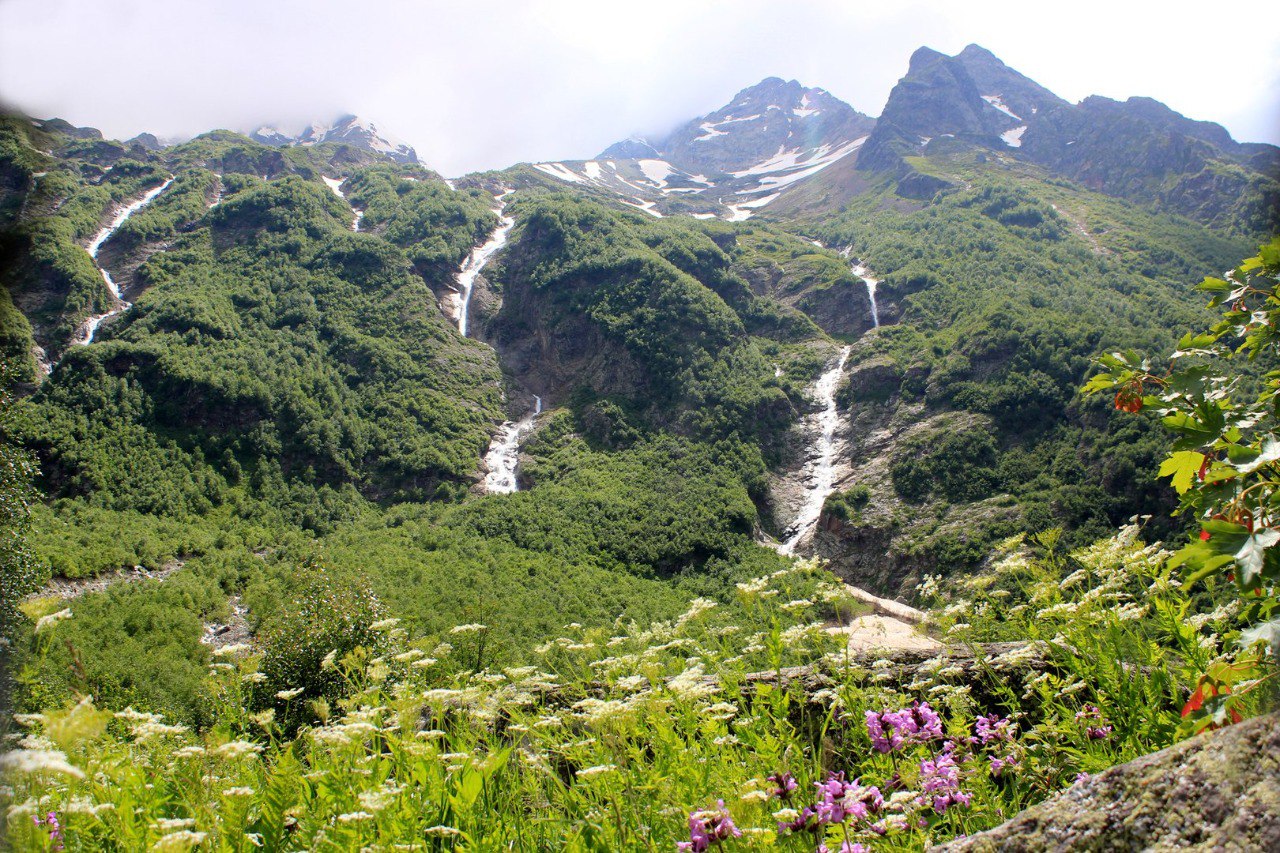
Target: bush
x,y
303,647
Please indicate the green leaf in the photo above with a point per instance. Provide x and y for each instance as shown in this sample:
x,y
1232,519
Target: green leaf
x,y
1251,555
1270,453
1182,467
1267,632
1213,285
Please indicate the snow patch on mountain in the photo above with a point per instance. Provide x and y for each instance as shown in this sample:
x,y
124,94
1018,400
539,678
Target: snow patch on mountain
x,y
1013,138
998,103
657,171
559,170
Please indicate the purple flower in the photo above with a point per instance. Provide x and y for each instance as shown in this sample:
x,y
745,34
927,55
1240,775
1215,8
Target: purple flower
x,y
924,721
862,802
1000,765
883,728
785,783
831,799
709,827
940,783
994,729
890,729
1096,725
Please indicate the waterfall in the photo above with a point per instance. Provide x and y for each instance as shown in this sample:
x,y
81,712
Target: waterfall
x,y
476,261
860,270
504,452
85,332
865,274
820,469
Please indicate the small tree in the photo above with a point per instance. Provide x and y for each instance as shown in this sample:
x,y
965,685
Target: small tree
x,y
304,647
1225,463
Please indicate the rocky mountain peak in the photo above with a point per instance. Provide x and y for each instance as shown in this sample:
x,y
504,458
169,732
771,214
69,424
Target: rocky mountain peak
x,y
348,129
770,119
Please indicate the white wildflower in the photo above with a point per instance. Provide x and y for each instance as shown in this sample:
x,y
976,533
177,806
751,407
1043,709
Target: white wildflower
x,y
229,651
52,618
353,817
442,832
598,770
384,624
183,839
470,628
286,695
38,762
241,791
239,749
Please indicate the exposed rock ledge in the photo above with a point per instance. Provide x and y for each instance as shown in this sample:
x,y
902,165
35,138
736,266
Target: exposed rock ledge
x,y
1218,791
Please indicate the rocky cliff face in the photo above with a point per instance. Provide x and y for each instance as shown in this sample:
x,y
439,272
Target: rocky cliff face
x,y
1137,149
1217,791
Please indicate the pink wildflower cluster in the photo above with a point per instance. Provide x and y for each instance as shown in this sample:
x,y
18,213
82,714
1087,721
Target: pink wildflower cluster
x,y
940,782
997,735
1096,726
54,827
839,803
707,827
889,730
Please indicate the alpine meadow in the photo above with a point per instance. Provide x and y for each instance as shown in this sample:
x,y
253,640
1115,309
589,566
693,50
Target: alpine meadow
x,y
788,479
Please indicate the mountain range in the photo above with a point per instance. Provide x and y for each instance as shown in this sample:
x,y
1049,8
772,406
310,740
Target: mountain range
x,y
783,324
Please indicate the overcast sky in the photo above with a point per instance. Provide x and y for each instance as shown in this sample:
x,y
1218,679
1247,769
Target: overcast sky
x,y
486,83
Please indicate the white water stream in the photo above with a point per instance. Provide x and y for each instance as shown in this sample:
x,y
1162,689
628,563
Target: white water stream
x,y
860,270
865,274
84,334
504,453
819,472
476,261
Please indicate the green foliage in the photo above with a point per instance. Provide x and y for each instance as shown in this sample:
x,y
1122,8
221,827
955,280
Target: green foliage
x,y
1225,453
20,573
847,505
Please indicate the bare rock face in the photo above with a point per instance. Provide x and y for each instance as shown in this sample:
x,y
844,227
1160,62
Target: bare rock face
x,y
1217,791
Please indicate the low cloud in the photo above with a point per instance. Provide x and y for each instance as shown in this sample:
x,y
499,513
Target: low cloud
x,y
483,85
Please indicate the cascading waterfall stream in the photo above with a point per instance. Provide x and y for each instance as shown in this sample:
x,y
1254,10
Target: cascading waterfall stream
x,y
477,260
865,274
860,270
504,452
84,334
820,469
